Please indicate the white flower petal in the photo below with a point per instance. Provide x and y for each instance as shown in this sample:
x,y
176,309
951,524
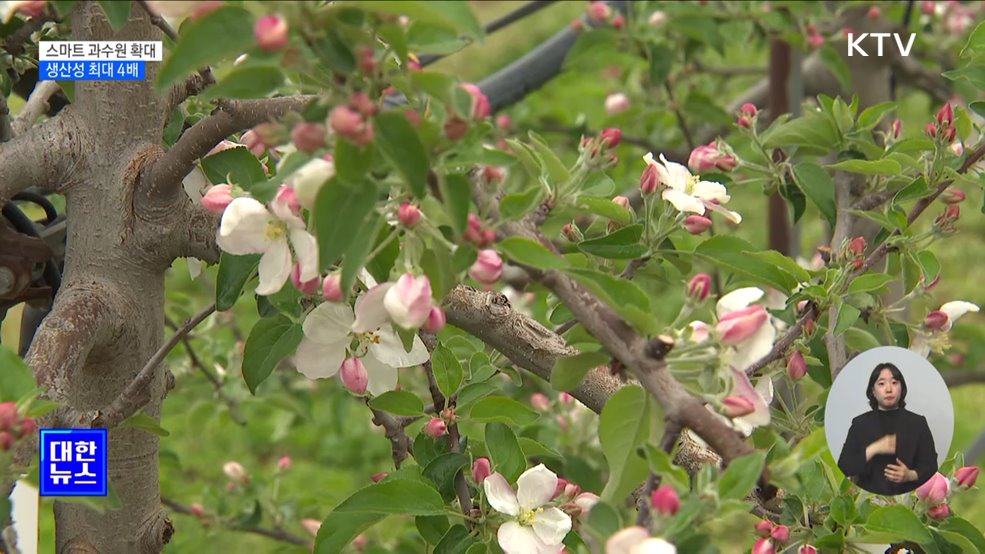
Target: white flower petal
x,y
390,350
319,361
328,323
955,309
677,174
655,546
683,201
195,184
243,227
737,300
755,347
623,541
382,377
513,538
535,487
741,386
370,312
710,190
500,495
551,525
306,250
275,268
920,344
734,217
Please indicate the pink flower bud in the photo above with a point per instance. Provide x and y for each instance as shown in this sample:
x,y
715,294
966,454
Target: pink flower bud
x,y
586,501
874,12
350,125
540,402
362,103
616,103
953,196
665,500
488,267
481,469
408,302
952,212
957,148
807,549
735,327
780,533
649,180
743,121
486,238
857,246
480,103
308,287
897,128
950,132
611,137
408,214
570,233
935,490
939,512
927,7
618,21
930,130
436,320
598,12
8,415
737,406
196,509
331,288
360,542
696,224
217,198
749,110
236,472
966,476
763,546
311,526
354,375
815,41
763,528
935,321
308,137
707,157
270,32
26,426
657,18
253,143
366,60
6,441
796,366
413,117
945,115
492,174
377,477
435,428
621,201
565,398
455,127
559,489
30,8
698,287
284,463
571,490
504,122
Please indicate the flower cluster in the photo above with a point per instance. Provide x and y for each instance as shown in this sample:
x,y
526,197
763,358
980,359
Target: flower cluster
x,y
13,426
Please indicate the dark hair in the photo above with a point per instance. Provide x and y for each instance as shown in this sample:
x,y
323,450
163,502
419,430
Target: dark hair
x,y
897,374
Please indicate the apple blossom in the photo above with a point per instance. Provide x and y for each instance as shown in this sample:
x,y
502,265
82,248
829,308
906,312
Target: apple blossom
x,y
737,406
598,11
935,320
698,287
586,501
435,428
953,196
708,157
966,476
331,288
696,224
504,122
248,228
665,500
815,40
618,21
354,375
488,267
945,115
311,526
540,402
930,130
408,301
759,397
481,469
252,141
350,125
8,415
687,192
480,102
329,332
308,287
196,509
807,549
611,137
954,310
565,398
649,181
699,331
236,472
270,32
26,426
284,463
455,127
6,441
935,490
752,347
621,201
533,528
308,137
309,179
492,175
637,540
927,7
939,512
780,533
763,527
744,122
217,198
377,477
796,366
436,320
657,18
616,103
736,327
30,8
748,109
763,546
897,128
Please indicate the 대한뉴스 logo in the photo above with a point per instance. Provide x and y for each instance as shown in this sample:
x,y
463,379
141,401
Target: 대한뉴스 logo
x,y
855,43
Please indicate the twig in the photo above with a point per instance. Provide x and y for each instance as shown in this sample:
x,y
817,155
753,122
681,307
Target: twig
x,y
672,432
162,24
216,383
780,347
400,443
277,534
681,123
14,45
643,143
36,105
6,131
133,394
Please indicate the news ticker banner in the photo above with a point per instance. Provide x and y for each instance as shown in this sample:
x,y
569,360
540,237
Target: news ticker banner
x,y
104,60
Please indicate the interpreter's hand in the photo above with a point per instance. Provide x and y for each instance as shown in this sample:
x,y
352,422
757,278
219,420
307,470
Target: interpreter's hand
x,y
885,445
899,473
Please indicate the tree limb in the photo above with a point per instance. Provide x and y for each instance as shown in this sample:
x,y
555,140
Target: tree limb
x,y
133,395
42,157
36,105
958,378
277,534
6,131
393,427
162,180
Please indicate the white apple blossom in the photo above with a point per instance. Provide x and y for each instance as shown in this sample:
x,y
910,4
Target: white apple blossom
x,y
637,540
534,527
752,349
247,227
687,192
329,331
924,342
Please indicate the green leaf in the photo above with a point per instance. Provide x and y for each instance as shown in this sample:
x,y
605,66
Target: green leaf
x,y
963,527
399,403
868,167
813,129
502,410
625,297
339,529
437,265
837,66
253,81
605,207
339,211
515,206
899,521
401,144
819,188
860,340
740,476
782,262
395,496
964,546
623,244
457,196
454,15
223,32
234,272
533,449
504,451
661,62
431,528
871,116
976,41
570,371
847,316
352,163
532,253
142,421
662,464
441,471
869,281
234,166
732,253
843,510
116,12
448,372
624,425
270,341
556,170
16,377
471,393
355,255
457,540
604,520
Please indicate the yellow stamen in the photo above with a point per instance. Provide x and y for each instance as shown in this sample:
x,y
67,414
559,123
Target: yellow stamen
x,y
274,230
527,517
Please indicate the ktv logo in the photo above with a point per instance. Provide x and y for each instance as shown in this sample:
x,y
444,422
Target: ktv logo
x,y
855,43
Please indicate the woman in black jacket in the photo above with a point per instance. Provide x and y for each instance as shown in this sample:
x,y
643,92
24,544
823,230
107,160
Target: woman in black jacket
x,y
889,450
